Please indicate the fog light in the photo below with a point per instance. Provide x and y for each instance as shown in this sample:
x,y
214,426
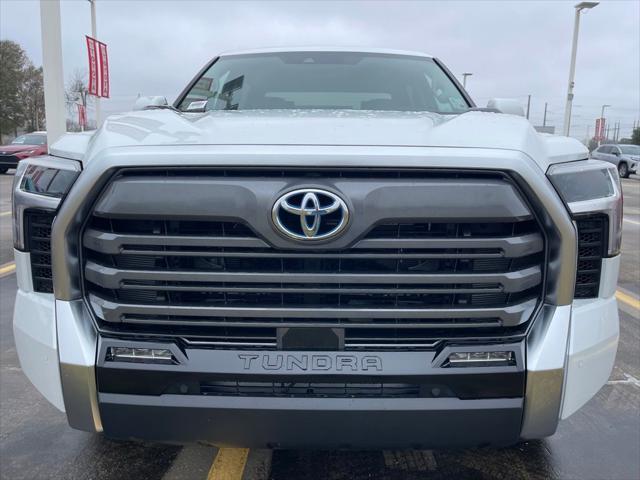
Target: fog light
x,y
140,355
481,359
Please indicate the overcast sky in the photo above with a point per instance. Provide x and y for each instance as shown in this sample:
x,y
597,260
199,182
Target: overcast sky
x,y
514,48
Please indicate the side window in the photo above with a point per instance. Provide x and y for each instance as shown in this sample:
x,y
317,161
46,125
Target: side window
x,y
615,150
605,149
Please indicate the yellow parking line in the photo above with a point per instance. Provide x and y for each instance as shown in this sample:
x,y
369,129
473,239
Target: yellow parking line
x,y
229,464
7,269
628,299
4,214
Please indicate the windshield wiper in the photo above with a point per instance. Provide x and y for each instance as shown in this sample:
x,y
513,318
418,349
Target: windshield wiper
x,y
162,107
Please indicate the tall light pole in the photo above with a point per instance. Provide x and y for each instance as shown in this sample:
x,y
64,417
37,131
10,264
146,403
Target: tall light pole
x,y
464,79
572,68
94,34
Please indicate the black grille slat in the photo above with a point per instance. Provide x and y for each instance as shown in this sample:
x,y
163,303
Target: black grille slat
x,y
399,284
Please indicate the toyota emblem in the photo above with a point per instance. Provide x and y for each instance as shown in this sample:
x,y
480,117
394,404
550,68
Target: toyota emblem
x,y
310,214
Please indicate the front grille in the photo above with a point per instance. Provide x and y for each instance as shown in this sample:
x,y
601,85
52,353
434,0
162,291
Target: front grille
x,y
38,232
401,284
8,161
592,247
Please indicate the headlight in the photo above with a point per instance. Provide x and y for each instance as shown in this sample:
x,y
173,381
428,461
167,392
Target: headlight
x,y
39,184
591,187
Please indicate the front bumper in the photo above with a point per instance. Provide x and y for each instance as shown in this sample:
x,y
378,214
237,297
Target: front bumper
x,y
310,423
197,399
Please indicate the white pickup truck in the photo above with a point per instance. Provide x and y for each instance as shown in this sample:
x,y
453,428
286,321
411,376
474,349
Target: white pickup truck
x,y
318,248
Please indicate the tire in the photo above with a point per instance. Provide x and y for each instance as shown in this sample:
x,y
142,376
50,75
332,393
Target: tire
x,y
4,170
623,170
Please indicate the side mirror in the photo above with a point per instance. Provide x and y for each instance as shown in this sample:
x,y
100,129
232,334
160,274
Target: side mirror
x,y
144,102
616,153
510,106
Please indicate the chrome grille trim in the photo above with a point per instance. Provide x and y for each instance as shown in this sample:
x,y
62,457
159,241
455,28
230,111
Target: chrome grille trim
x,y
113,278
124,312
510,246
113,243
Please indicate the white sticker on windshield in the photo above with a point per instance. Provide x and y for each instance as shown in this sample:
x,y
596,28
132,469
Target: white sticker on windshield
x,y
198,105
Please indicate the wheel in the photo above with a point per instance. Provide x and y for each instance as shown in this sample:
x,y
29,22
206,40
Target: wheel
x,y
3,170
623,170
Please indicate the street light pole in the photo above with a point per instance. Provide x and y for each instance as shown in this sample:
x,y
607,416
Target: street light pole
x,y
572,67
94,34
464,79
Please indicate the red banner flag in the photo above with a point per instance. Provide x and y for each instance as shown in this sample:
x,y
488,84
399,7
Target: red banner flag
x,y
98,68
93,66
104,70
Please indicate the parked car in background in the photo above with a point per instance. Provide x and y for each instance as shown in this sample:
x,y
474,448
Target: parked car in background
x,y
625,157
24,146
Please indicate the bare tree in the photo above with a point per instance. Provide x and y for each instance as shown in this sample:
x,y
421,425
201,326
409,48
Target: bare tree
x,y
76,93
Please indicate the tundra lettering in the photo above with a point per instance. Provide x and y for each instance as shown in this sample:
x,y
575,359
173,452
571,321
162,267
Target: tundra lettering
x,y
304,362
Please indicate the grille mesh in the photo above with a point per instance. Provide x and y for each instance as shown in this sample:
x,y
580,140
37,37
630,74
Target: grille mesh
x,y
592,247
38,228
315,389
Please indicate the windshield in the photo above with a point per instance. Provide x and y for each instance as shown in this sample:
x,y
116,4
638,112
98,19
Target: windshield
x,y
630,149
325,80
30,140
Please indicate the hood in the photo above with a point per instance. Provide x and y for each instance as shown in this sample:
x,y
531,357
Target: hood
x,y
321,127
17,148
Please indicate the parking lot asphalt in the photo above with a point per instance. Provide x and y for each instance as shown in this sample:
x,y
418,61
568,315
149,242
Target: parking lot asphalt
x,y
601,441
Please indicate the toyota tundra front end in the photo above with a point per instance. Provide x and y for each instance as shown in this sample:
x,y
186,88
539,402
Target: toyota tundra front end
x,y
318,248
